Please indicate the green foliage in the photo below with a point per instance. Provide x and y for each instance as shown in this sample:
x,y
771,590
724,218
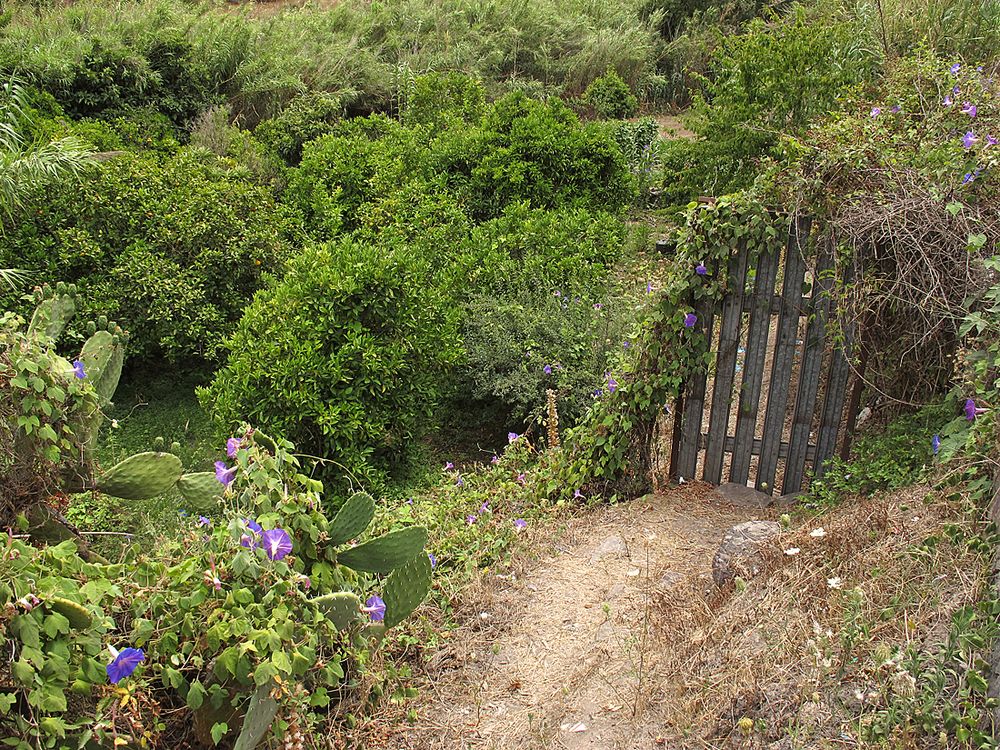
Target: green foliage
x,y
171,249
444,100
306,118
897,457
221,620
352,368
609,96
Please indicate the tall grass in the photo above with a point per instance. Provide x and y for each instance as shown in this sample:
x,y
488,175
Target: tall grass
x,y
355,49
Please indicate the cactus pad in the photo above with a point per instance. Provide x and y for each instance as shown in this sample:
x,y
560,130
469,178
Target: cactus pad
x,y
260,715
264,441
201,490
78,616
406,588
352,518
341,608
141,476
385,553
51,316
102,358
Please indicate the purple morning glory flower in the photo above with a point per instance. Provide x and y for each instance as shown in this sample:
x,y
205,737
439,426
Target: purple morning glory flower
x,y
448,466
521,478
434,560
484,508
876,111
700,269
409,501
78,369
520,524
204,521
547,369
232,445
459,482
224,474
970,409
124,663
557,293
936,444
969,139
626,345
577,495
649,287
598,305
955,68
511,437
612,384
991,140
948,101
375,608
495,460
690,319
969,177
896,109
277,543
250,541
470,519
968,108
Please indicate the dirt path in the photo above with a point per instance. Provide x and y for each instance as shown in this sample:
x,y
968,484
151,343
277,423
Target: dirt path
x,y
558,657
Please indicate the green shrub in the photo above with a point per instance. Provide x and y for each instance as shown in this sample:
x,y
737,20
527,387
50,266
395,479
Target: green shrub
x,y
774,79
173,250
306,118
346,354
443,100
609,96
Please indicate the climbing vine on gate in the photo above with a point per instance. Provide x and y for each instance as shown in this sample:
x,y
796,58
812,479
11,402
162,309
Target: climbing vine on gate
x,y
610,451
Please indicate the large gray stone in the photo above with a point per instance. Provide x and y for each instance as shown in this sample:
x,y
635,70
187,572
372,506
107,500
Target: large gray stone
x,y
739,553
741,496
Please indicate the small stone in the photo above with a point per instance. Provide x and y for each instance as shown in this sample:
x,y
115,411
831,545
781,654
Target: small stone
x,y
739,551
741,496
612,545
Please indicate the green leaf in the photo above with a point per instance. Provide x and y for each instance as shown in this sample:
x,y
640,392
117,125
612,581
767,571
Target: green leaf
x,y
281,662
196,695
219,730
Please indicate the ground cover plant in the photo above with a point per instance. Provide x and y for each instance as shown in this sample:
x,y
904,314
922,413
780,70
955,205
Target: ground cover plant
x,y
395,341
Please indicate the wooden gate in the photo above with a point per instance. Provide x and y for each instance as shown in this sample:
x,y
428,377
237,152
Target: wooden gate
x,y
773,403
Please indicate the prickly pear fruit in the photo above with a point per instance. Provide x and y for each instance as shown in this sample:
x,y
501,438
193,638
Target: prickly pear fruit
x,y
260,715
159,442
51,316
352,518
341,608
175,447
78,616
142,476
201,490
405,589
385,553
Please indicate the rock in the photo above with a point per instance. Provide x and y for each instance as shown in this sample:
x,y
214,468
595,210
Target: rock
x,y
787,501
612,545
668,580
741,496
739,552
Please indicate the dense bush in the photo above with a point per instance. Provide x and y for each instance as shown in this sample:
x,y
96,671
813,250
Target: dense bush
x,y
443,100
609,96
351,367
306,118
172,249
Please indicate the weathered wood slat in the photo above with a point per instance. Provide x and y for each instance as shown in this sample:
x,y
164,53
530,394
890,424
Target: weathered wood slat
x,y
836,394
784,351
812,360
753,367
783,447
729,340
694,401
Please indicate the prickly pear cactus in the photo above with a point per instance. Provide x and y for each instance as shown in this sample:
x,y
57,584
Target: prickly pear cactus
x,y
385,553
201,490
405,589
78,616
260,715
352,518
103,355
342,608
142,476
55,308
